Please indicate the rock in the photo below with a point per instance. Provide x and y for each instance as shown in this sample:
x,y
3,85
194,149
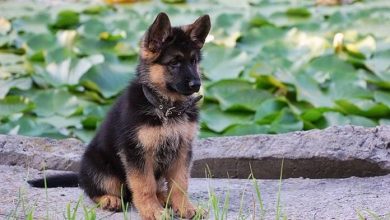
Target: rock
x,y
39,153
299,198
336,152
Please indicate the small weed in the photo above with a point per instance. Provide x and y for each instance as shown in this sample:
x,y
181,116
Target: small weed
x,y
71,214
125,207
258,193
277,217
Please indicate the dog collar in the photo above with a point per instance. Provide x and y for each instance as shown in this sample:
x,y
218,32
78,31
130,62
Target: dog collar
x,y
169,109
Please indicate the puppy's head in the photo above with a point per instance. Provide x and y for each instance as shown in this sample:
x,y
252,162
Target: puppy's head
x,y
171,55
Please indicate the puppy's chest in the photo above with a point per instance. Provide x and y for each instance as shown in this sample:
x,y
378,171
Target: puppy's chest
x,y
165,140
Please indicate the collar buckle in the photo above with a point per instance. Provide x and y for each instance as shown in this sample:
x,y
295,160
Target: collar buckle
x,y
169,111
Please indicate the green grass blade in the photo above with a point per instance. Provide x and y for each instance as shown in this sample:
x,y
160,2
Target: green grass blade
x,y
277,217
124,206
225,208
241,205
258,193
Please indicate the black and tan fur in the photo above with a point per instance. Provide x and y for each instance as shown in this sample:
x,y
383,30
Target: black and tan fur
x,y
141,146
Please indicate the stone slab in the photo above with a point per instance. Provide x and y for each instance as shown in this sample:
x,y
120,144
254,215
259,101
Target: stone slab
x,y
336,152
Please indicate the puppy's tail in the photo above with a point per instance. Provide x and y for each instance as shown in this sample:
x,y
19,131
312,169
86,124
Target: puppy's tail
x,y
61,180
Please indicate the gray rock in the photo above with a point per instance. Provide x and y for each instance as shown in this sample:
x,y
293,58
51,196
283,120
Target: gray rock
x,y
40,153
331,153
299,198
335,152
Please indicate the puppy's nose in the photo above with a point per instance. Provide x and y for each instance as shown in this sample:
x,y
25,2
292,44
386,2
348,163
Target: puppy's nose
x,y
194,85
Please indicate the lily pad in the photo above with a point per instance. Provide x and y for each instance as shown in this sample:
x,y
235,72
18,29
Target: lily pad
x,y
66,19
14,104
216,120
223,63
20,83
237,95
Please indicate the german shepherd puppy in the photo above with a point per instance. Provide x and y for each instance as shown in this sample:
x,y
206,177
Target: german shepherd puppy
x,y
145,142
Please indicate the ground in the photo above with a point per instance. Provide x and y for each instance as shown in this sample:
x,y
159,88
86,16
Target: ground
x,y
299,198
332,158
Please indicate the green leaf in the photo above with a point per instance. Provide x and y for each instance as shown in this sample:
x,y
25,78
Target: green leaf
x,y
223,63
56,101
216,120
338,78
256,38
61,122
30,127
382,97
286,121
41,42
269,110
380,64
108,79
362,107
237,95
227,28
84,135
94,110
309,90
335,118
239,130
384,122
259,21
91,122
313,114
92,28
14,104
20,83
331,64
269,81
298,12
66,19
96,9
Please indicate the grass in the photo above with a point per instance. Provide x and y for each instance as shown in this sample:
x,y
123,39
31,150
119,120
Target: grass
x,y
279,191
125,206
258,193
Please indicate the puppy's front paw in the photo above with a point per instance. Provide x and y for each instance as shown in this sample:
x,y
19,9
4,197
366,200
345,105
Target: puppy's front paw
x,y
153,214
201,213
109,202
187,213
190,212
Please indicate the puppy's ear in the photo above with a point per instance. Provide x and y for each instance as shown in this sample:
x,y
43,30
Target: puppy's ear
x,y
158,33
199,30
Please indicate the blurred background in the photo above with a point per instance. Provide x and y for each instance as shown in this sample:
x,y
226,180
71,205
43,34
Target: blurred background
x,y
269,66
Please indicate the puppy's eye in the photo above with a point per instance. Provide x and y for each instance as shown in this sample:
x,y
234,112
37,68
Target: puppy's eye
x,y
174,63
193,60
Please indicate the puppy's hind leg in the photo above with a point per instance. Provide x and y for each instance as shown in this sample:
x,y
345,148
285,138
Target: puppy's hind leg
x,y
104,188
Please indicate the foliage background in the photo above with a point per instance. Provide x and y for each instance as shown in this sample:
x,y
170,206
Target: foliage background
x,y
269,66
